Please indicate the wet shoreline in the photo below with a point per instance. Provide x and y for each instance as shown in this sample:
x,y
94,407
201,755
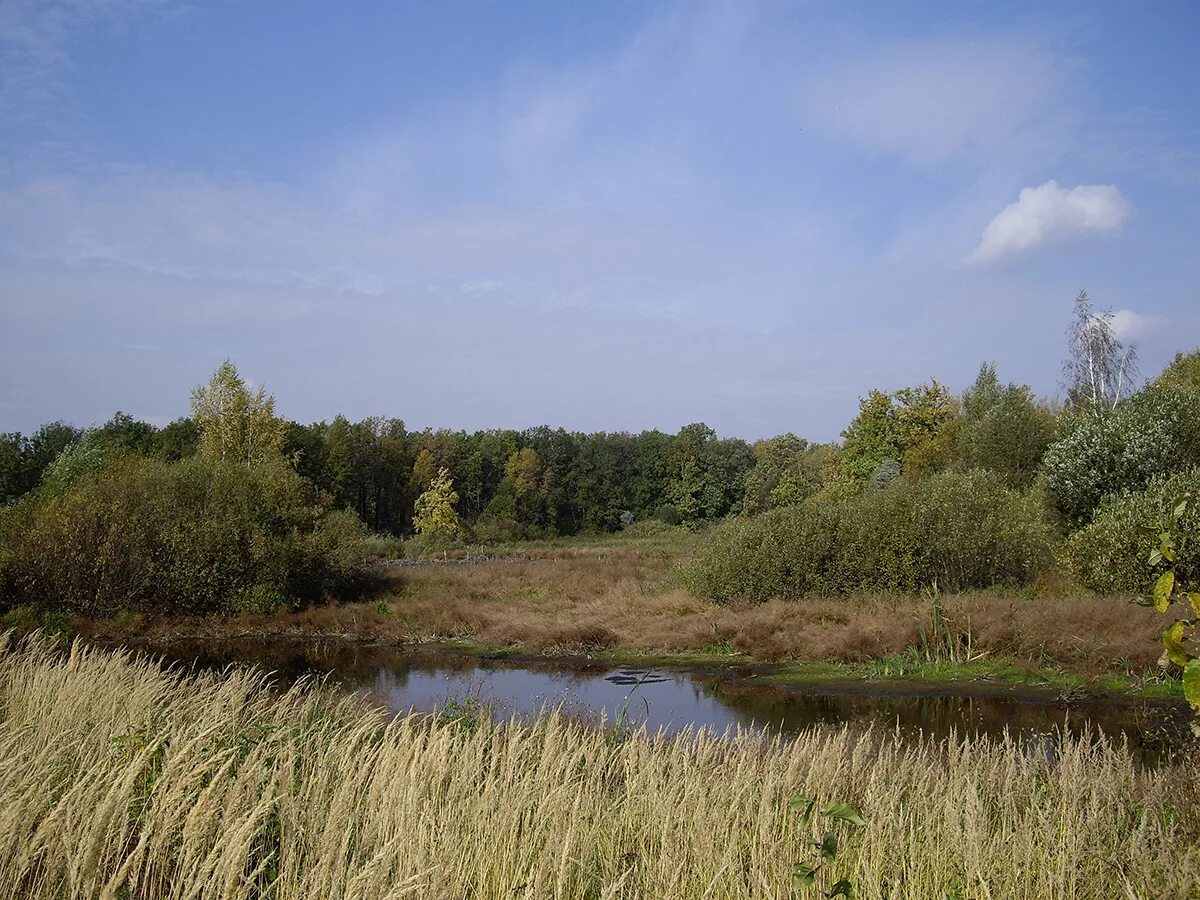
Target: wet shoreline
x,y
676,697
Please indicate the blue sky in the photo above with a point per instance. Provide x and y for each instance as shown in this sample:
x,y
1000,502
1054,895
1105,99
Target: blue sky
x,y
603,216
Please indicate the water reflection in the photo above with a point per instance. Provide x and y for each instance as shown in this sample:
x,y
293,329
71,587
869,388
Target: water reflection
x,y
675,700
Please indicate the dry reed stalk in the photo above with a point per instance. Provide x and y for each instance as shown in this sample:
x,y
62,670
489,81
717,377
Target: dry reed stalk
x,y
119,779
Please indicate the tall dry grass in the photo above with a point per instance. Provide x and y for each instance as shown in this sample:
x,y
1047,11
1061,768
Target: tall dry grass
x,y
120,780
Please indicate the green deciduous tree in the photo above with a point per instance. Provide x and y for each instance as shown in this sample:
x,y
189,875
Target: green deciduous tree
x,y
787,469
708,475
926,420
871,438
177,440
1002,427
914,427
125,434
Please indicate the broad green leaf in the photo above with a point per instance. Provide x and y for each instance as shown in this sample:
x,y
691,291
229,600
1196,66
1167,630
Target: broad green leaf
x,y
845,812
1166,546
804,874
803,806
841,888
1162,590
1191,683
1173,641
1181,507
1194,599
1155,557
829,846
1143,601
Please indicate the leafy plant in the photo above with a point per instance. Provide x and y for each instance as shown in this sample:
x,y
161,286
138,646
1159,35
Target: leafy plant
x,y
196,537
819,874
1154,433
1169,589
434,515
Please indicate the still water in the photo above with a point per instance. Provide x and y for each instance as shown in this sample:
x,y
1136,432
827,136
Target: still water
x,y
674,700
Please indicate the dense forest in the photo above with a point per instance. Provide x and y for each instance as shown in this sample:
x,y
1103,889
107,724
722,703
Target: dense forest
x,y
538,482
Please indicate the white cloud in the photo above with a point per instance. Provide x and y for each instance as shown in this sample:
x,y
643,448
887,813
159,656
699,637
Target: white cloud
x,y
1048,214
1128,325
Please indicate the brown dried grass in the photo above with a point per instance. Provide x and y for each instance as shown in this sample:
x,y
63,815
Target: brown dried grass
x,y
583,599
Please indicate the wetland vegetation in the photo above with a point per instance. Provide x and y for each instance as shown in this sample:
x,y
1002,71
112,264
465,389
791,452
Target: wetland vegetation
x,y
975,555
125,780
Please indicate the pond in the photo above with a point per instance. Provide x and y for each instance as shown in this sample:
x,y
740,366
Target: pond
x,y
719,699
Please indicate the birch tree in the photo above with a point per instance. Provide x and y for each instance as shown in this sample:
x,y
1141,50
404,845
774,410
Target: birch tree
x,y
236,423
1100,369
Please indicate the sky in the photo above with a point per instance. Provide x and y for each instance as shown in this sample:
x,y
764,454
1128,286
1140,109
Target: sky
x,y
602,216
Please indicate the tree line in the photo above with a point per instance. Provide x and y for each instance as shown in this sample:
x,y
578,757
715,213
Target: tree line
x,y
501,484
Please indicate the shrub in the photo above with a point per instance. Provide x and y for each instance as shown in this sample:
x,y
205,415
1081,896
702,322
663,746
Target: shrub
x,y
964,530
78,460
1110,553
1183,373
1157,431
199,536
384,546
668,514
647,528
884,476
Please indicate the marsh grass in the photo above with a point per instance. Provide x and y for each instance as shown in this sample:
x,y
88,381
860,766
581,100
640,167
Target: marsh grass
x,y
623,596
119,779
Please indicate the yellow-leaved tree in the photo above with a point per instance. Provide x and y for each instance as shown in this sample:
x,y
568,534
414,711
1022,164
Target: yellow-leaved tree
x,y
434,515
525,469
235,423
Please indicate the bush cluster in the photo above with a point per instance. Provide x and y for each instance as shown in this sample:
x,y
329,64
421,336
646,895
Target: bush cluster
x,y
962,530
1157,431
195,537
1110,553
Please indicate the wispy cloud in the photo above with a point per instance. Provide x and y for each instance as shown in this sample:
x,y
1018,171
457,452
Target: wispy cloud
x,y
725,200
933,101
36,38
1048,214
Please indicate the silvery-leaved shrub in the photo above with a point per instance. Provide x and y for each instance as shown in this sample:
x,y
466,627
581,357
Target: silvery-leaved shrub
x,y
1156,432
